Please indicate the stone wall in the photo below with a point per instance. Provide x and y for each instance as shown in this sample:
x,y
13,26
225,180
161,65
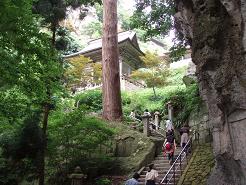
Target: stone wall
x,y
199,167
199,122
134,150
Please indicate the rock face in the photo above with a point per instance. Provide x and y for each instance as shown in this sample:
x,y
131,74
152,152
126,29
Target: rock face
x,y
218,40
190,77
199,122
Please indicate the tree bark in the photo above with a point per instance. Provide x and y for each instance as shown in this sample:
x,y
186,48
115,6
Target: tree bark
x,y
43,149
53,29
218,33
112,109
154,92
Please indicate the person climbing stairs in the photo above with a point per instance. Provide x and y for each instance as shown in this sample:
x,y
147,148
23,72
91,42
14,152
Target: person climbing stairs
x,y
162,165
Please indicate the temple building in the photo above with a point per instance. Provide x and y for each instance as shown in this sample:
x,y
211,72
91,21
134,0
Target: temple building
x,y
129,58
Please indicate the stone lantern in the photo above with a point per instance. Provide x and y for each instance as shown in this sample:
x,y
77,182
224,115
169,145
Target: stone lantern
x,y
77,177
146,124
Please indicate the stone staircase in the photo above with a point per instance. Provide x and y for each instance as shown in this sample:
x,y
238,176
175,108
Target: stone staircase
x,y
157,134
162,165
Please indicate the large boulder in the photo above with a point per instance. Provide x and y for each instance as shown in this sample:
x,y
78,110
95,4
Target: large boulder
x,y
216,30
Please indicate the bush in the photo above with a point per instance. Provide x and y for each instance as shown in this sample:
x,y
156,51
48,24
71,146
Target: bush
x,y
184,99
74,138
103,181
92,100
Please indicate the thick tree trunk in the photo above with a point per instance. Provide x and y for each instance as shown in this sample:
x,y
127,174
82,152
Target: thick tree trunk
x,y
154,92
53,39
218,33
110,63
43,149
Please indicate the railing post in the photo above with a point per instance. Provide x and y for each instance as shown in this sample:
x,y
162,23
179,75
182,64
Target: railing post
x,y
180,164
191,147
77,177
174,173
146,130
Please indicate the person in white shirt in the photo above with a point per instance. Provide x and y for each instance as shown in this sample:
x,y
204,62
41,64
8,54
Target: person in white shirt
x,y
146,113
132,114
151,177
169,125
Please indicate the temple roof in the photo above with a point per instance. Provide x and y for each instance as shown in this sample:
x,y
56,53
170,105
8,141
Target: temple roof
x,y
127,42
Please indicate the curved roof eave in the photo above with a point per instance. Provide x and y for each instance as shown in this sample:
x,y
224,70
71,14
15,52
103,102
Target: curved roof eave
x,y
100,47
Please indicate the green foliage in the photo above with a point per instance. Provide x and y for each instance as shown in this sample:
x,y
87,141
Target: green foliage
x,y
155,17
65,42
177,51
144,99
54,11
94,29
155,72
14,105
31,70
83,133
92,100
103,181
185,100
175,76
19,151
82,71
76,139
33,64
99,12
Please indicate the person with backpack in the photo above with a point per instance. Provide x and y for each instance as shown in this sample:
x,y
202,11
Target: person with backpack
x,y
184,132
151,177
133,180
169,146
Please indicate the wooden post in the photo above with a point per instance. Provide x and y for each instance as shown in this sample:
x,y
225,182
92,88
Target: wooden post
x,y
77,177
146,124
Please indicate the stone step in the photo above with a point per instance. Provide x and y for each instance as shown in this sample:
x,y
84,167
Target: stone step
x,y
142,179
165,157
159,168
162,172
162,155
143,183
158,161
162,165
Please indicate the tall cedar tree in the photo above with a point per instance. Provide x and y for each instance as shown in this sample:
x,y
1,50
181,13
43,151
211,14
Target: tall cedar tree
x,y
112,109
29,59
53,11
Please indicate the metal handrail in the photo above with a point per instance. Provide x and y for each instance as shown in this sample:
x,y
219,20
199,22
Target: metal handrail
x,y
178,161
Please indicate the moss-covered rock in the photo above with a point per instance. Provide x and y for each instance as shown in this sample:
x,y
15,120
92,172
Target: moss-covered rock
x,y
200,166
